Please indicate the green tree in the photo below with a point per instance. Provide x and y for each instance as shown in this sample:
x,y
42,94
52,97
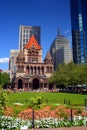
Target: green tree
x,y
3,100
72,71
36,103
69,74
82,75
4,79
60,76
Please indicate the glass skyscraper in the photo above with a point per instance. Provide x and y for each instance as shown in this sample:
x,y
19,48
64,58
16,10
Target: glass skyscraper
x,y
79,30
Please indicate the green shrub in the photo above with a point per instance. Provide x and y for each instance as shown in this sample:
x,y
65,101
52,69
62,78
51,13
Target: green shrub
x,y
36,103
3,101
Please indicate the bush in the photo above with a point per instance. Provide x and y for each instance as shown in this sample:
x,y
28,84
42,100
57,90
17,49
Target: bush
x,y
3,101
36,103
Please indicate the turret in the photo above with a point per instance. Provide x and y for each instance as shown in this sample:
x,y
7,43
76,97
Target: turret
x,y
48,59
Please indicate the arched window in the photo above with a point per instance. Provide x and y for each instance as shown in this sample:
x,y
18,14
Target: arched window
x,y
31,70
34,69
35,84
22,68
47,69
42,68
27,70
50,69
38,70
18,68
20,84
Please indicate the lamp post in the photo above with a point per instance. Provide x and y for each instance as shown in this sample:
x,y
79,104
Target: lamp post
x,y
33,118
71,115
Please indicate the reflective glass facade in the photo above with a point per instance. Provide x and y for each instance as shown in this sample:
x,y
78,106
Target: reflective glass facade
x,y
79,30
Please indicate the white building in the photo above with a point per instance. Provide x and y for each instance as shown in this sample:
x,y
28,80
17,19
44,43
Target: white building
x,y
25,33
12,62
60,50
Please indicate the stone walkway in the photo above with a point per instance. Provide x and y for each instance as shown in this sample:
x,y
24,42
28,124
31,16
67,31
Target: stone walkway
x,y
70,128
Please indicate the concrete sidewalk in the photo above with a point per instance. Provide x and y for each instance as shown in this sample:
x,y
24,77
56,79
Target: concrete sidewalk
x,y
64,128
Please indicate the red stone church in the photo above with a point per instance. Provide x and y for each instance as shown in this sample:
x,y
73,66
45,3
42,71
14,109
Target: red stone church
x,y
32,73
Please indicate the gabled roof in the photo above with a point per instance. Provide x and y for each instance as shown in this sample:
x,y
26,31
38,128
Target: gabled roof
x,y
32,42
48,56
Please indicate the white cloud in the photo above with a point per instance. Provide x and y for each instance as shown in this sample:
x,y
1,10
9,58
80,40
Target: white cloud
x,y
4,60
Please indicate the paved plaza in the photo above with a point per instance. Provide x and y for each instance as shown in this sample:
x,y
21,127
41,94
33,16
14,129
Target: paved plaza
x,y
70,128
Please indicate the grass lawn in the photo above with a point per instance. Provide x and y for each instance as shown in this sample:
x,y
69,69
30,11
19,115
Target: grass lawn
x,y
50,98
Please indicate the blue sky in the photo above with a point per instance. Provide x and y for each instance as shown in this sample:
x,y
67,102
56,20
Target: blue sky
x,y
48,14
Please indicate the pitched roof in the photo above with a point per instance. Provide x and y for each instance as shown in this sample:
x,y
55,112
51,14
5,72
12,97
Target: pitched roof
x,y
48,55
32,42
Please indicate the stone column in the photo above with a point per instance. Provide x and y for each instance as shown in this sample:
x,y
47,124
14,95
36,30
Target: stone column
x,y
40,71
36,70
28,87
43,70
29,70
26,71
43,85
16,86
32,70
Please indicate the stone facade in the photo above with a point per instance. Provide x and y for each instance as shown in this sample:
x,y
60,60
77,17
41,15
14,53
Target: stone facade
x,y
32,73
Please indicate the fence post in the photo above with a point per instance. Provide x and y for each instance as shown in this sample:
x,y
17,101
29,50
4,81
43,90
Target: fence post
x,y
33,118
71,115
64,101
85,102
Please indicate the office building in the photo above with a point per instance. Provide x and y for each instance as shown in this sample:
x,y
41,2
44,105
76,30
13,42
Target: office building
x,y
79,30
12,62
25,32
60,50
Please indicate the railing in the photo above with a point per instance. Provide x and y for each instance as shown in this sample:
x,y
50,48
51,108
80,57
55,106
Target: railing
x,y
37,120
35,116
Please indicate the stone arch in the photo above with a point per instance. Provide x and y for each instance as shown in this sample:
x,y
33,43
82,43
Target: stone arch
x,y
35,83
20,84
27,70
42,70
35,69
50,69
31,70
38,70
47,69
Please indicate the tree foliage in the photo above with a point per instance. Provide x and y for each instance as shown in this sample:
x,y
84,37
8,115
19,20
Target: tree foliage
x,y
3,100
36,103
69,74
4,79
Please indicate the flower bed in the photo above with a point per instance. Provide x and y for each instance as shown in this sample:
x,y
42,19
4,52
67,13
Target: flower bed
x,y
9,123
47,117
45,112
